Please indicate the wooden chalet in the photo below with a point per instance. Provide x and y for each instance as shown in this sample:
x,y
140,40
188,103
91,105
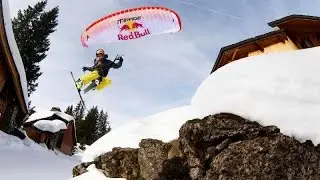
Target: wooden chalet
x,y
290,33
13,83
39,128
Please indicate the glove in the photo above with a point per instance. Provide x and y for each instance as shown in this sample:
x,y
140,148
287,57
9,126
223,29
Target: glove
x,y
86,69
119,59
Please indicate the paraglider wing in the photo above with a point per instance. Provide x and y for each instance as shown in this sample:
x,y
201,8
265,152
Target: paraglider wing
x,y
131,24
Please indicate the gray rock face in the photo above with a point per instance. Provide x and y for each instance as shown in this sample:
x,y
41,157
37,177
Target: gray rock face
x,y
272,157
120,162
151,155
221,146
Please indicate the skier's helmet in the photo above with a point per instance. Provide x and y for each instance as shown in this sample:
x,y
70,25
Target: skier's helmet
x,y
100,53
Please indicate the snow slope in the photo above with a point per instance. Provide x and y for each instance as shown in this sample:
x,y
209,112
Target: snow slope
x,y
281,89
162,126
28,160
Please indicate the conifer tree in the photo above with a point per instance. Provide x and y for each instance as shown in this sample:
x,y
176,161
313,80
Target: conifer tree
x,y
31,30
69,110
78,112
103,125
88,126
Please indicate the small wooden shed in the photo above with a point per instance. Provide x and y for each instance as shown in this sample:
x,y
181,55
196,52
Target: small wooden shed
x,y
54,128
290,33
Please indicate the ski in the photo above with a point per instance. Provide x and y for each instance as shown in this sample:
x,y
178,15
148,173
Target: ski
x,y
90,87
82,101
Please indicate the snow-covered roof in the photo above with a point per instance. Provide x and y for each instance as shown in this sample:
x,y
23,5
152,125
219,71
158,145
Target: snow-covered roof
x,y
53,126
14,49
46,114
50,125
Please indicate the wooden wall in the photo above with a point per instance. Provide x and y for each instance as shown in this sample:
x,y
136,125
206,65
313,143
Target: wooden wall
x,y
3,77
33,134
68,139
288,45
10,111
3,72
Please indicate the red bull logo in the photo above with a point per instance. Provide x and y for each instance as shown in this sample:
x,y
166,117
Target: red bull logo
x,y
124,28
134,25
135,29
137,25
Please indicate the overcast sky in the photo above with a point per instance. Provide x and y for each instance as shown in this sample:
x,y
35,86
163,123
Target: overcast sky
x,y
159,72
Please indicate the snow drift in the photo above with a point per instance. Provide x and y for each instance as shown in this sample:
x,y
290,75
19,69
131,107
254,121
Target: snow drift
x,y
281,89
25,159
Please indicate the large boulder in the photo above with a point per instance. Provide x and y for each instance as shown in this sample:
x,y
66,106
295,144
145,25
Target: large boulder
x,y
201,140
220,146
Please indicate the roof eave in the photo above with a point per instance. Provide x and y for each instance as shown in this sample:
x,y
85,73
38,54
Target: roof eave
x,y
277,22
241,43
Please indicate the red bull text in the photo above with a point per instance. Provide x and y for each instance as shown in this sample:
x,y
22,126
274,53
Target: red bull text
x,y
133,35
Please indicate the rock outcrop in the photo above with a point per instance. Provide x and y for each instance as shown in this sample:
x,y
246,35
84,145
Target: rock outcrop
x,y
221,146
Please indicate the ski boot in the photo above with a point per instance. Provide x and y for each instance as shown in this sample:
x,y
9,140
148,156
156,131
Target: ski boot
x,y
97,82
79,85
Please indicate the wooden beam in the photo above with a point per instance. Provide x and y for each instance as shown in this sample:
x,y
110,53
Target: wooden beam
x,y
259,46
282,38
234,54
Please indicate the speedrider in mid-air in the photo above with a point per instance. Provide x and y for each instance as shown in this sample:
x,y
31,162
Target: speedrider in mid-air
x,y
99,71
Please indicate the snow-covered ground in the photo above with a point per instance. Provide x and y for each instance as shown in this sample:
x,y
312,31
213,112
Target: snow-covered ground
x,y
281,89
95,174
28,160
